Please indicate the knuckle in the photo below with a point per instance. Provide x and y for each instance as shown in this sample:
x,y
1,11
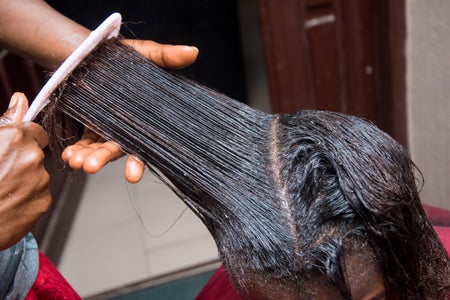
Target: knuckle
x,y
45,203
43,199
35,156
14,134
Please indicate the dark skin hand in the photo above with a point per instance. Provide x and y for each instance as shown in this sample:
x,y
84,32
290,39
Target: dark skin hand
x,y
24,192
33,29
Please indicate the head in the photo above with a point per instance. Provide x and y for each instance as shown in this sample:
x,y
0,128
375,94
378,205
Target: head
x,y
344,221
304,206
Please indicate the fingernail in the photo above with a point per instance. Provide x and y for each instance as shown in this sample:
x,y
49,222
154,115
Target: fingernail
x,y
195,48
190,48
13,101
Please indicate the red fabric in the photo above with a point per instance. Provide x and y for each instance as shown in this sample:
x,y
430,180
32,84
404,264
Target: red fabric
x,y
444,234
218,288
50,284
437,216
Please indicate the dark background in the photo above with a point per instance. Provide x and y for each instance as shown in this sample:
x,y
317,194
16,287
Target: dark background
x,y
210,25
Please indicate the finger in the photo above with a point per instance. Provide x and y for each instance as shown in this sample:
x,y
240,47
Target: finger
x,y
83,156
97,159
88,139
69,152
36,132
169,56
18,106
134,169
78,157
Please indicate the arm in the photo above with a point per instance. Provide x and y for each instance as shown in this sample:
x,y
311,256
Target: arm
x,y
34,30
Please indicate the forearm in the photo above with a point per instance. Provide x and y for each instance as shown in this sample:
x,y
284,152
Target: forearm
x,y
31,28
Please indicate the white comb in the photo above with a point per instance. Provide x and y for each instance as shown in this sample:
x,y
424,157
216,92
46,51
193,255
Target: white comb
x,y
108,29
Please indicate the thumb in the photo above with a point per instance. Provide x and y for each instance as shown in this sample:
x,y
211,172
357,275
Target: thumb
x,y
18,106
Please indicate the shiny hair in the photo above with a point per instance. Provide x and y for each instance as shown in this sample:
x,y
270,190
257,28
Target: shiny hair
x,y
287,198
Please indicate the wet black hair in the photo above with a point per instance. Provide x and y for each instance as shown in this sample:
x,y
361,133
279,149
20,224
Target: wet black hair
x,y
286,197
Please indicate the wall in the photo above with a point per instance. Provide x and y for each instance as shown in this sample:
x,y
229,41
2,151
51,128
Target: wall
x,y
428,95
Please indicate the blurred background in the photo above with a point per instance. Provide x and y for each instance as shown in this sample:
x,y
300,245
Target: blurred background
x,y
383,60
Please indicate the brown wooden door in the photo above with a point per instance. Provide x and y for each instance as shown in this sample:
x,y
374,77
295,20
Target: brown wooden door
x,y
339,55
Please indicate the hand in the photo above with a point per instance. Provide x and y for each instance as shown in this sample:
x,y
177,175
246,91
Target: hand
x,y
24,192
92,153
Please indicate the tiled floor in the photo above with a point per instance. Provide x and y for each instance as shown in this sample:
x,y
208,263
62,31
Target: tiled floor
x,y
126,233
